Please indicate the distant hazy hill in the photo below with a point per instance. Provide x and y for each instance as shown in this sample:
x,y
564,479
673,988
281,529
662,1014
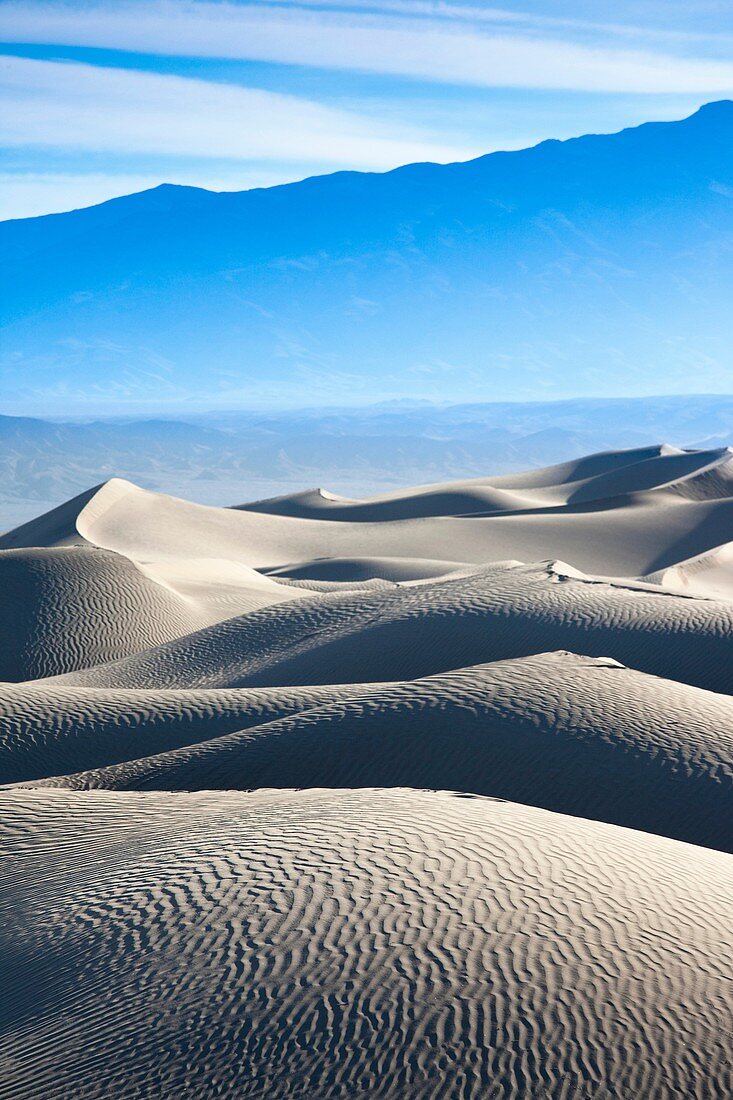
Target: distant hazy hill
x,y
225,458
598,265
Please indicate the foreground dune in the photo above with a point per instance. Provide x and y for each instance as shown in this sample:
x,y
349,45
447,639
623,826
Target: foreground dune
x,y
357,943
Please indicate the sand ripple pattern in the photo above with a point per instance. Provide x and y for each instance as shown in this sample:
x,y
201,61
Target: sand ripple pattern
x,y
573,734
348,944
71,607
492,614
229,865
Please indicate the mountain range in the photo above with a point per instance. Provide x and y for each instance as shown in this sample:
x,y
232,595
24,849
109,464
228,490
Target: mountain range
x,y
595,266
222,457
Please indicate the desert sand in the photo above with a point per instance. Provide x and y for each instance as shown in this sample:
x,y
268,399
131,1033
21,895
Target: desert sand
x,y
358,943
425,795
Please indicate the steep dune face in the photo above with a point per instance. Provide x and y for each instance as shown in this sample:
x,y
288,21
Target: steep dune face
x,y
708,574
574,734
54,528
253,882
357,943
622,514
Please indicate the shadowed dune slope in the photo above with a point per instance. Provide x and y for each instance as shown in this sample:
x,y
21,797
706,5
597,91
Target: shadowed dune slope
x,y
356,943
54,528
366,568
71,607
414,630
51,730
582,469
579,735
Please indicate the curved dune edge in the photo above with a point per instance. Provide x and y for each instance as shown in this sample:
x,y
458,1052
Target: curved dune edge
x,y
693,474
625,514
493,613
707,575
630,525
573,734
414,938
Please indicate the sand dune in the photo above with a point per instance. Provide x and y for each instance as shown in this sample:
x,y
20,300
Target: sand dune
x,y
582,469
709,574
574,734
356,943
74,606
51,730
366,568
697,474
184,921
70,607
490,614
626,528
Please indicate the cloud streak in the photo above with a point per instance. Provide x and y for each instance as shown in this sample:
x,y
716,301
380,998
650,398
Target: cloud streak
x,y
428,48
85,107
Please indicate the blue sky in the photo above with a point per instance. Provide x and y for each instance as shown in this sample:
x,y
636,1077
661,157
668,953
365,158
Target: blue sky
x,y
104,98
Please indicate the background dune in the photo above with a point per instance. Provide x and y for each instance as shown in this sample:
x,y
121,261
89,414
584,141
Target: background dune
x,y
627,514
355,451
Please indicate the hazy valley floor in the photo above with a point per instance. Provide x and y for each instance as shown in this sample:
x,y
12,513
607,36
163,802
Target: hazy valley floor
x,y
423,795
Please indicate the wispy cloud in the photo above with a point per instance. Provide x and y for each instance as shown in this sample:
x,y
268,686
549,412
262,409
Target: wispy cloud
x,y
445,81
460,50
657,31
85,107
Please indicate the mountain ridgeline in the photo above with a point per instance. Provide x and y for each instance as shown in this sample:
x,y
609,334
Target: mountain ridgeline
x,y
599,265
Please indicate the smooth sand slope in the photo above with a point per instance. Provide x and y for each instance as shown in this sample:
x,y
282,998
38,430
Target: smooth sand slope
x,y
574,734
491,614
709,574
631,524
592,479
356,944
